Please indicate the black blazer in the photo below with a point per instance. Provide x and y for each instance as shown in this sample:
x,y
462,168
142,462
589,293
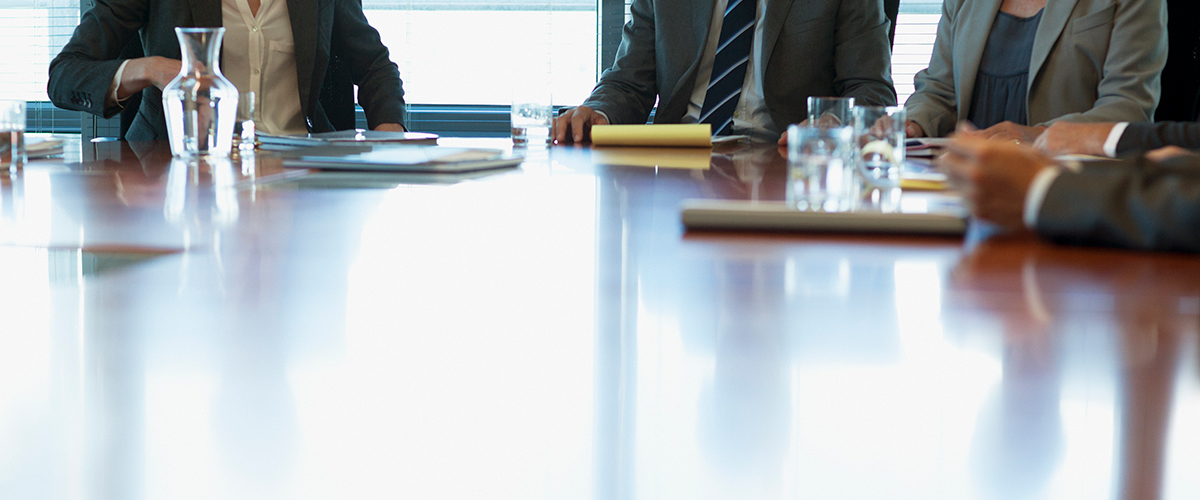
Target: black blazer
x,y
1133,203
335,49
1149,136
810,47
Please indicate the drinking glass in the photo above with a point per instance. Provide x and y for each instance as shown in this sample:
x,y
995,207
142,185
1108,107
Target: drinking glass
x,y
12,134
243,127
879,144
531,121
820,168
830,111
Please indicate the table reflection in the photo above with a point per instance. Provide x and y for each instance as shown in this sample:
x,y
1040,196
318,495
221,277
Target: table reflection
x,y
551,332
1020,444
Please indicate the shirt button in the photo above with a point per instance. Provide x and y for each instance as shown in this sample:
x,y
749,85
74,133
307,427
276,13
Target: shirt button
x,y
254,29
256,71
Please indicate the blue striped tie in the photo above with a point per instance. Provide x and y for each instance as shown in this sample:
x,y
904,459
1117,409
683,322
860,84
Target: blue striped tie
x,y
729,67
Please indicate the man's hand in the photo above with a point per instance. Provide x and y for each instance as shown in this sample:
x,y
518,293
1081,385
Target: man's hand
x,y
783,136
1074,138
912,129
390,127
144,72
575,124
994,176
1006,131
1163,154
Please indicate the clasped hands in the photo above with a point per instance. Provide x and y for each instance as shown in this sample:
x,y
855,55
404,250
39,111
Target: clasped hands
x,y
995,176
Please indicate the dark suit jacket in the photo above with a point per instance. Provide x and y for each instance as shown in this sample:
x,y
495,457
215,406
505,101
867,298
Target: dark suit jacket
x,y
1149,136
335,50
1133,203
811,47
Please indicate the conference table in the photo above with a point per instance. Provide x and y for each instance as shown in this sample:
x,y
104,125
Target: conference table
x,y
238,329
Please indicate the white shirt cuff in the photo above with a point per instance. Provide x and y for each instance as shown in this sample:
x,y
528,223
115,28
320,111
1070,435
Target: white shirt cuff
x,y
1110,144
601,113
116,83
1037,194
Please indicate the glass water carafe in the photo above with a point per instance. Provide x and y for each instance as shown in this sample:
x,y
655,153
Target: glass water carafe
x,y
200,103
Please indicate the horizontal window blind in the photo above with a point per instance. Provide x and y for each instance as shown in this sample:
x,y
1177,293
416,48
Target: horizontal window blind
x,y
32,32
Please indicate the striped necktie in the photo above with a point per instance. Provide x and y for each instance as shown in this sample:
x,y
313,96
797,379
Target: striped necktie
x,y
729,67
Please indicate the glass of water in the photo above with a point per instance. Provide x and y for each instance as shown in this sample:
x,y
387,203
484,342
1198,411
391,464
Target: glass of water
x,y
531,121
830,111
12,134
243,127
879,143
821,168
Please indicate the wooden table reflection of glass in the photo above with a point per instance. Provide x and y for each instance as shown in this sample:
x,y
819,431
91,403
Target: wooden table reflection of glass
x,y
241,330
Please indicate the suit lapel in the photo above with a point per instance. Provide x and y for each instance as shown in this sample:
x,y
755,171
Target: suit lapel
x,y
206,13
1054,20
701,24
971,38
303,14
777,11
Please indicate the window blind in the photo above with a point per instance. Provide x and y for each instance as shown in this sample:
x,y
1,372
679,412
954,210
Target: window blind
x,y
32,32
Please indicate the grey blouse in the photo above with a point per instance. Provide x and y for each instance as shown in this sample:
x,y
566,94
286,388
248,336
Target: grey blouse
x,y
1002,81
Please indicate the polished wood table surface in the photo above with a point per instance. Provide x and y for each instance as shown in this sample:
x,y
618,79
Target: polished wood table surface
x,y
238,330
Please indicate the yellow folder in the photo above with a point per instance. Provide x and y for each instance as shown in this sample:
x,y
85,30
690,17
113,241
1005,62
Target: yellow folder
x,y
686,135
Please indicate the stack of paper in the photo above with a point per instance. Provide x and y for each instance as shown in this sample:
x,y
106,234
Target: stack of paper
x,y
358,136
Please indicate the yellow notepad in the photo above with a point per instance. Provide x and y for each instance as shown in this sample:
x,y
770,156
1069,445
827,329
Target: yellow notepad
x,y
686,135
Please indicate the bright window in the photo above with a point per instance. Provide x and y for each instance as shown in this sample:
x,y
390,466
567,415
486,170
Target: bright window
x,y
31,33
487,52
449,51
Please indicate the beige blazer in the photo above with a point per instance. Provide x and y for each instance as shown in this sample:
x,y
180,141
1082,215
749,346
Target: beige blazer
x,y
1093,61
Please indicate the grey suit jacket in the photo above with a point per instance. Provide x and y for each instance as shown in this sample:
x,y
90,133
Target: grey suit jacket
x,y
1134,203
1092,61
335,50
811,47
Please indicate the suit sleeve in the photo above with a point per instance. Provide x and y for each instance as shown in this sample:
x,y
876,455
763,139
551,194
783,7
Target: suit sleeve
x,y
1149,136
862,55
1132,81
626,91
1138,205
380,90
934,105
80,75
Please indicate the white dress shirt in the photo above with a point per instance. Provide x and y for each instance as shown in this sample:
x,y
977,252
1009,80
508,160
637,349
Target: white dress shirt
x,y
258,45
751,117
255,46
